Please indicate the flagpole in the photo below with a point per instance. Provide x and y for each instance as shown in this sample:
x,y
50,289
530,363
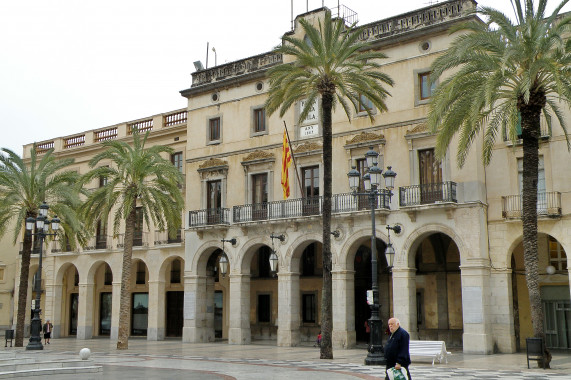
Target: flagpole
x,y
293,159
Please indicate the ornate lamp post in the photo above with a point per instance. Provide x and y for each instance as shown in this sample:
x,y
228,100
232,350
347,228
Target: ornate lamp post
x,y
42,226
224,259
372,182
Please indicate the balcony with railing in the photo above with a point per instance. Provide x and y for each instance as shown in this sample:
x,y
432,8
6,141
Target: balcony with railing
x,y
171,120
548,205
98,243
286,209
60,246
209,217
430,193
139,240
163,238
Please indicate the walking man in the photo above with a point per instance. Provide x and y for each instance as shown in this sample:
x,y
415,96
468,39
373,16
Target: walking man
x,y
397,350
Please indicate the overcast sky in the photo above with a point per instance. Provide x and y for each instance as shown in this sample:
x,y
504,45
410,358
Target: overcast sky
x,y
68,66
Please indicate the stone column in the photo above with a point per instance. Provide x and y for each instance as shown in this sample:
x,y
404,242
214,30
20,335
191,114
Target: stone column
x,y
288,309
85,311
476,296
115,306
195,329
501,305
55,294
157,311
239,321
404,299
344,335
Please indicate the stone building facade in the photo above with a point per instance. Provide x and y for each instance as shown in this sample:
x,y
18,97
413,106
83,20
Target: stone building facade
x,y
458,271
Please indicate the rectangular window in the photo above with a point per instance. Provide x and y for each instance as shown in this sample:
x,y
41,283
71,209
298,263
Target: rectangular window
x,y
214,129
175,272
101,235
311,189
259,120
264,310
309,308
1,274
214,201
259,196
102,181
108,275
425,87
176,159
364,104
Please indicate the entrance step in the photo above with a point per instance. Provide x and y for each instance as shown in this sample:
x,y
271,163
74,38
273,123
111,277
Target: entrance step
x,y
24,367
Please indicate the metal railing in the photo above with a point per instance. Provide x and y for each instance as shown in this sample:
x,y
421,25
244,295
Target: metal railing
x,y
97,242
163,238
548,204
427,194
60,246
208,217
300,207
140,240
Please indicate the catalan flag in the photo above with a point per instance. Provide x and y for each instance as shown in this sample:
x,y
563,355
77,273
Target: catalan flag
x,y
286,162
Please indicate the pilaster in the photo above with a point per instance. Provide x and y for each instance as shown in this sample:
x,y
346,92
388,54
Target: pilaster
x,y
344,335
157,307
404,299
239,321
289,334
85,311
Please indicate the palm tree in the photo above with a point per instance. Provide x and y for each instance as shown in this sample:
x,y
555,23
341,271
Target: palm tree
x,y
24,185
333,65
136,176
505,71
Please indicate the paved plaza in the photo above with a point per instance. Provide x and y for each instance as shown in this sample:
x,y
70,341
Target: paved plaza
x,y
172,359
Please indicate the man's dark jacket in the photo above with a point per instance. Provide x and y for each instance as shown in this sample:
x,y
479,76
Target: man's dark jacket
x,y
396,350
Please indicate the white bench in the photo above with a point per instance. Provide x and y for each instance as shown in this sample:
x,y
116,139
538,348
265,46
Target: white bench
x,y
434,349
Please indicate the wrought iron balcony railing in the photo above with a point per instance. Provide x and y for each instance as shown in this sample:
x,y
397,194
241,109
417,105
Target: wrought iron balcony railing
x,y
163,238
427,194
98,242
548,204
208,217
300,207
139,240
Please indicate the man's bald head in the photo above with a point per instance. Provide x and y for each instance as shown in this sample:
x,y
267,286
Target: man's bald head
x,y
394,324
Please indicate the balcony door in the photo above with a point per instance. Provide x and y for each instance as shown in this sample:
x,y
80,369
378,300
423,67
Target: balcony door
x,y
311,190
138,235
430,177
541,195
260,196
214,201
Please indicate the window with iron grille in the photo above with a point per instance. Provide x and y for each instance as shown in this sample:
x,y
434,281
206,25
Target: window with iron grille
x,y
141,273
175,272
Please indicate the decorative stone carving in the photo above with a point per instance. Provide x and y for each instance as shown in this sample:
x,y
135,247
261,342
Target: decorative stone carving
x,y
307,147
365,137
258,155
419,128
212,163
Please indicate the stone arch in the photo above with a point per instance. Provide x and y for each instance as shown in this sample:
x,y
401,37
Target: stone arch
x,y
415,238
353,242
293,254
93,270
164,265
248,250
200,259
60,272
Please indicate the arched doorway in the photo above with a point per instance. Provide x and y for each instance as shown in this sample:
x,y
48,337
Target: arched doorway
x,y
263,296
364,281
103,299
217,285
310,285
174,297
439,290
70,301
554,288
139,298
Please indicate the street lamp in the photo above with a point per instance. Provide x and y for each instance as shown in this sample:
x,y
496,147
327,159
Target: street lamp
x,y
372,181
224,259
273,256
42,226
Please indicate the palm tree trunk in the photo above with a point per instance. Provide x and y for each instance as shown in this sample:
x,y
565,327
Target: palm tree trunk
x,y
23,290
326,351
125,307
530,116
